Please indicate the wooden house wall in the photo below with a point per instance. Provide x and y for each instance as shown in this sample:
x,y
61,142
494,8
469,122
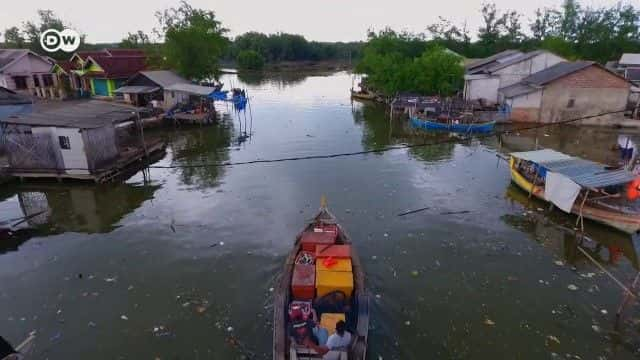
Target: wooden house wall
x,y
100,146
33,152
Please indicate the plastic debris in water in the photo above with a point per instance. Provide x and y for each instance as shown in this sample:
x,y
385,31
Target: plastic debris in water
x,y
559,263
572,287
113,279
415,273
489,322
604,312
407,322
230,329
553,338
595,328
124,317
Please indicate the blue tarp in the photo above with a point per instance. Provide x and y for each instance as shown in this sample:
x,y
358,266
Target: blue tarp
x,y
218,95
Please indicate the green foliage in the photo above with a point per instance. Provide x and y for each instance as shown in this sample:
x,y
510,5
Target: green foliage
x,y
13,37
250,60
153,51
137,40
31,31
402,62
289,47
194,41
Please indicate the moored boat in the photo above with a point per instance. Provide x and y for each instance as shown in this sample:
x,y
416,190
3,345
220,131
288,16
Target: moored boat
x,y
322,279
581,187
363,95
469,128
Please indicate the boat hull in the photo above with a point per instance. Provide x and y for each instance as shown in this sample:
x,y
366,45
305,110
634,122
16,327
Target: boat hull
x,y
482,128
625,222
358,348
363,96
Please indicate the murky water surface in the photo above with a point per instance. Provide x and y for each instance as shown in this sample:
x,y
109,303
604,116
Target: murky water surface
x,y
181,267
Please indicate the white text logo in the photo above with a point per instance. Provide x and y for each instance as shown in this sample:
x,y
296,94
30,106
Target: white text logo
x,y
67,40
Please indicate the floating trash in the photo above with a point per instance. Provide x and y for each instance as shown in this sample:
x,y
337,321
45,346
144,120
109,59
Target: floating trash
x,y
572,287
124,317
554,339
489,322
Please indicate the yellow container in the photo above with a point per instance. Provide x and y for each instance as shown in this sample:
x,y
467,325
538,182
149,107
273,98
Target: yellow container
x,y
338,265
329,321
329,281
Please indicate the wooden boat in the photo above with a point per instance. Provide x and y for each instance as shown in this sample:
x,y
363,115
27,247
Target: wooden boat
x,y
363,95
467,128
283,345
593,202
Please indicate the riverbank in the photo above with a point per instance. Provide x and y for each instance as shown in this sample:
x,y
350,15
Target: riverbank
x,y
294,66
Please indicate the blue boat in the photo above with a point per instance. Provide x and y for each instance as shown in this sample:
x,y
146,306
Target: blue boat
x,y
475,128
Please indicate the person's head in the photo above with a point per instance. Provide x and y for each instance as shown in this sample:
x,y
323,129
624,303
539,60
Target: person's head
x,y
340,325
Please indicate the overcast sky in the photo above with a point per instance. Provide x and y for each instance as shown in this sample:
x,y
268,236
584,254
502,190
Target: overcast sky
x,y
322,20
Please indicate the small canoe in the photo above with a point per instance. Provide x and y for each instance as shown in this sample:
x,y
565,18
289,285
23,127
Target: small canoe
x,y
284,348
472,128
363,95
625,220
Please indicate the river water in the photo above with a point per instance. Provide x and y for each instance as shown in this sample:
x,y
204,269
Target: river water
x,y
180,266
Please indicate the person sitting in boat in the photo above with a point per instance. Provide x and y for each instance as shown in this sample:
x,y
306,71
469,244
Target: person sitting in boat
x,y
337,343
301,329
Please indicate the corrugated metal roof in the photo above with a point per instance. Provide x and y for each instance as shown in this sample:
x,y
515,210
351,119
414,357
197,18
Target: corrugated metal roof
x,y
9,97
556,71
538,156
136,89
481,64
191,89
514,60
630,59
87,115
517,90
165,78
589,174
585,173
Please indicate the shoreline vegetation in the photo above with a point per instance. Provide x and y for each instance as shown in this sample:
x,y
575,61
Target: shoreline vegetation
x,y
195,43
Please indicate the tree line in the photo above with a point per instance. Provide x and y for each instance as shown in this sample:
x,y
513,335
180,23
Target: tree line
x,y
574,31
193,41
426,62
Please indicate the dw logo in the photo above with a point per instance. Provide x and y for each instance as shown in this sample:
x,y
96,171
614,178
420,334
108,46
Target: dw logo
x,y
67,40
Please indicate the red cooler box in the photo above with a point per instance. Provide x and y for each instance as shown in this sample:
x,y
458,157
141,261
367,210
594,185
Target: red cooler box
x,y
319,236
303,282
334,251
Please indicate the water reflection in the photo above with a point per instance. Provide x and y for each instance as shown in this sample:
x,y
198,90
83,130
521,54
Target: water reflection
x,y
53,209
596,144
196,146
554,229
379,132
278,80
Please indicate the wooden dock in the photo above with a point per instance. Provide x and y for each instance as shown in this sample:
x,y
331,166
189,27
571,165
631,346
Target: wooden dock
x,y
129,162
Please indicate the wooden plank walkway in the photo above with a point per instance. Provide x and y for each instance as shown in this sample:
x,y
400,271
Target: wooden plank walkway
x,y
127,164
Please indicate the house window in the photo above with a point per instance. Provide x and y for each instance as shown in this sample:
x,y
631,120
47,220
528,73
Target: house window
x,y
21,82
571,103
47,79
64,142
173,94
36,81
